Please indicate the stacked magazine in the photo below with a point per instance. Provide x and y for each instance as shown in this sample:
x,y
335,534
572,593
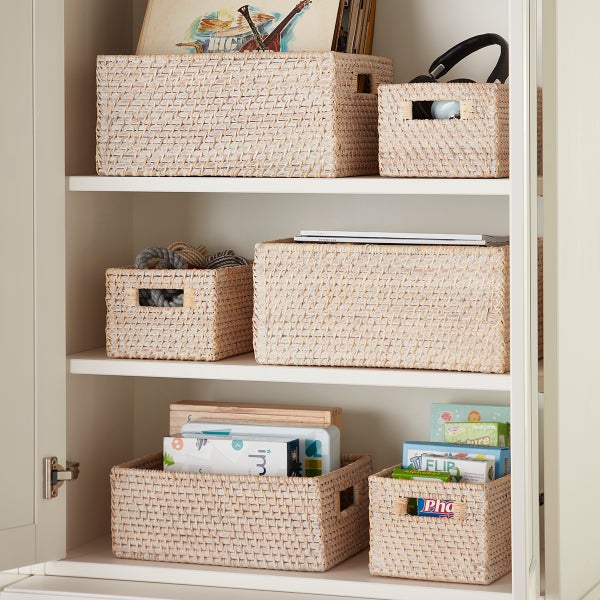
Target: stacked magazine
x,y
379,237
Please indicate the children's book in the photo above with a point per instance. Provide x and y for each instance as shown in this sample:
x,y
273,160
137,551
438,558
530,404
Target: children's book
x,y
446,413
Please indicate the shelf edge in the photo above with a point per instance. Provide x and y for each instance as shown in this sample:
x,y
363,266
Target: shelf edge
x,y
349,578
374,185
244,368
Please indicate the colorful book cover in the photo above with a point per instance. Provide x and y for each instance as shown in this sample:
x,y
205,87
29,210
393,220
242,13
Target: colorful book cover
x,y
480,433
446,413
413,453
201,26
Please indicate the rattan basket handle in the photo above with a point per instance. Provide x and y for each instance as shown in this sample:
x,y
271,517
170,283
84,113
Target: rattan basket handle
x,y
360,497
132,299
366,83
405,109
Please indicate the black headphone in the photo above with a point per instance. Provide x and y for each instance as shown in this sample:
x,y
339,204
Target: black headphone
x,y
445,62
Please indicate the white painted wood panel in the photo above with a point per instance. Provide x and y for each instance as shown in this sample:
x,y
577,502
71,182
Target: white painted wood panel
x,y
49,197
279,185
61,588
9,578
350,578
98,234
16,297
571,290
244,368
523,316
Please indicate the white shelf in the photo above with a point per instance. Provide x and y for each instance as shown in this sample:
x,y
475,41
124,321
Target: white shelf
x,y
8,578
350,578
284,185
81,588
245,368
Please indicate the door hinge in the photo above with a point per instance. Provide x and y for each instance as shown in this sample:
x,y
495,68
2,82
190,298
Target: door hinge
x,y
55,475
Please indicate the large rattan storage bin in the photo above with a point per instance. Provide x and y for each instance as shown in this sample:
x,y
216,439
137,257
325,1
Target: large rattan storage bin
x,y
252,114
476,145
214,322
413,307
472,547
286,523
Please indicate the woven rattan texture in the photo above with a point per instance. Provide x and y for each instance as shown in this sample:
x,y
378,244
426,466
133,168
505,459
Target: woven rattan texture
x,y
476,145
250,114
540,296
214,322
415,307
540,132
474,547
286,523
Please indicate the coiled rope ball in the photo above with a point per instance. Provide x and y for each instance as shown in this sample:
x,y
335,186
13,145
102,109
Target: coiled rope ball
x,y
194,256
180,255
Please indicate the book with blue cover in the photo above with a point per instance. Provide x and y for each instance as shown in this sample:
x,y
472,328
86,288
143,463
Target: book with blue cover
x,y
413,453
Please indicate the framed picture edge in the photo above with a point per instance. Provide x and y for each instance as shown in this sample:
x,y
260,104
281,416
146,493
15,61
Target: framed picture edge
x,y
142,41
149,8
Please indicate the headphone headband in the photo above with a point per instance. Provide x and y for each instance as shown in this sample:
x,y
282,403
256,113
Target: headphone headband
x,y
450,58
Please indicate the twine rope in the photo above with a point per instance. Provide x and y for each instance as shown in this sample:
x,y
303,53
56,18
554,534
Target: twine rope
x,y
194,256
180,255
160,258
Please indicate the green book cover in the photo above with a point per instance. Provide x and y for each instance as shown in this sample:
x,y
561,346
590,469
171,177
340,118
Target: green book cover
x,y
480,434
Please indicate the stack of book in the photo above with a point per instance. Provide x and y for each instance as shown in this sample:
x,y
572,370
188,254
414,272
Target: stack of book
x,y
356,23
379,237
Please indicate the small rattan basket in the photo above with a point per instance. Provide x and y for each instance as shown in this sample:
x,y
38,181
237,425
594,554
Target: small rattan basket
x,y
476,145
214,322
472,547
286,523
411,307
249,114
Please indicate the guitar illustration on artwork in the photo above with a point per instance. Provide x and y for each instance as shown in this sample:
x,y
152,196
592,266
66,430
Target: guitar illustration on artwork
x,y
271,41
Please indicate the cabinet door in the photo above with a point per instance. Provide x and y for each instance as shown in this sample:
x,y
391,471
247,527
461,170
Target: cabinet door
x,y
32,355
16,296
571,291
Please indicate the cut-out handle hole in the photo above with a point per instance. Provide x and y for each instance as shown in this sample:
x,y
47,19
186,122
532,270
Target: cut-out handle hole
x,y
160,297
437,110
364,84
347,498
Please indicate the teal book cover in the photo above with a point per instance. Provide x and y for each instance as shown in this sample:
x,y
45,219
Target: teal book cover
x,y
446,413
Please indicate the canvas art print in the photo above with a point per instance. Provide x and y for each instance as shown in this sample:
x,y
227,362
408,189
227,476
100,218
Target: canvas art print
x,y
181,26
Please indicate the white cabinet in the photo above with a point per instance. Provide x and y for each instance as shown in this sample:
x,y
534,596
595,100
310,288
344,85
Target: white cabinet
x,y
118,409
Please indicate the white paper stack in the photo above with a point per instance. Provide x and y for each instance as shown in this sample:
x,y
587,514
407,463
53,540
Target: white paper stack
x,y
319,446
382,237
231,455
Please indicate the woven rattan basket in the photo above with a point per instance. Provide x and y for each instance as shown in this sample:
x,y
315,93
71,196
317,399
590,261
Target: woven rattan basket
x,y
476,145
287,523
414,307
214,322
472,547
253,114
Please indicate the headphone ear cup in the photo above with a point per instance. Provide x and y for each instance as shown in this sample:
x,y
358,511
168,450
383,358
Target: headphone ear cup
x,y
449,108
445,109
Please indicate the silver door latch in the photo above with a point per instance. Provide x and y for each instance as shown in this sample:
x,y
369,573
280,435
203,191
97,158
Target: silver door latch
x,y
55,475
